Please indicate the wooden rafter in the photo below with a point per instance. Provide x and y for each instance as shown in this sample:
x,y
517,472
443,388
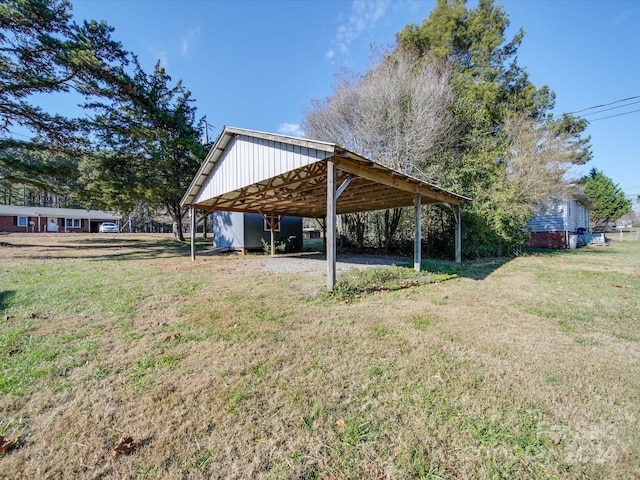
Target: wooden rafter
x,y
302,191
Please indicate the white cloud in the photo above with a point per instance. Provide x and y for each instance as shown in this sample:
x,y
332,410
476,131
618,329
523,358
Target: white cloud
x,y
291,129
187,38
330,54
364,16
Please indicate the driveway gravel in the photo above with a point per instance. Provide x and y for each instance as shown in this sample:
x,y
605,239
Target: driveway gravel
x,y
315,263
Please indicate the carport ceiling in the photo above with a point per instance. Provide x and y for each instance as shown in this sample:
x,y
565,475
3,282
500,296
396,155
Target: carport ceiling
x,y
302,191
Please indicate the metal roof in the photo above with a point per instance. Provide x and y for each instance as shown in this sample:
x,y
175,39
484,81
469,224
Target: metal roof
x,y
251,171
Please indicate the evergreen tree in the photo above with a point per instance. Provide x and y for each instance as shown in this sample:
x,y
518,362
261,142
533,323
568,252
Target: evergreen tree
x,y
43,52
149,149
607,197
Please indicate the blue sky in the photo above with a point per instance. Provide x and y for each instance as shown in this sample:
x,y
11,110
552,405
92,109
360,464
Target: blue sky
x,y
259,64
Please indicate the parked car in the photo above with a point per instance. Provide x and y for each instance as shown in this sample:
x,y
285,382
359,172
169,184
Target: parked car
x,y
108,227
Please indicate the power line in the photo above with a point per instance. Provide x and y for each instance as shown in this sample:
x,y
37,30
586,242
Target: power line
x,y
605,104
611,116
612,108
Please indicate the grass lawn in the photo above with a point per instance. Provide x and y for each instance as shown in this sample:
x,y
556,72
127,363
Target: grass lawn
x,y
521,368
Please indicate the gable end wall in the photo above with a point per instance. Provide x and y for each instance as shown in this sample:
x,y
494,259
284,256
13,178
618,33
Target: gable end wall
x,y
248,160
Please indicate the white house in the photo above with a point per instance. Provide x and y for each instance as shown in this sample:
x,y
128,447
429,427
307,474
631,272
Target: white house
x,y
559,220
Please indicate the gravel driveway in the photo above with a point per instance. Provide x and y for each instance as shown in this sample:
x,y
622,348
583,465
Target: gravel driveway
x,y
316,264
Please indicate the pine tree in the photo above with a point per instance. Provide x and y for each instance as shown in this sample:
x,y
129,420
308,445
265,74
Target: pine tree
x,y
607,197
42,51
149,149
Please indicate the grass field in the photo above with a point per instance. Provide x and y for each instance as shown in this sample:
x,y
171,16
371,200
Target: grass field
x,y
520,368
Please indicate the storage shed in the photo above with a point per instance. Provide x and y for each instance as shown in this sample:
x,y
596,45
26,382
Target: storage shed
x,y
248,231
278,176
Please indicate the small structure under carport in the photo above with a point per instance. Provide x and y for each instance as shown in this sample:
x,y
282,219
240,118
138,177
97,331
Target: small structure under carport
x,y
248,231
276,175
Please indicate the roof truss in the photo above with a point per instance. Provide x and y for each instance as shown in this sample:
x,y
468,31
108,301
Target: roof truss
x,y
303,191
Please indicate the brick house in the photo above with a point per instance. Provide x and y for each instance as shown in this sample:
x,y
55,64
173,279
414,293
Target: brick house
x,y
17,219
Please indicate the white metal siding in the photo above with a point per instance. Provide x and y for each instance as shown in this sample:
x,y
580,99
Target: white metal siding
x,y
578,216
228,229
550,218
560,215
248,160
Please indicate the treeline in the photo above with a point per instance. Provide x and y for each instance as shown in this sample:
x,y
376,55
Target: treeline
x,y
448,104
136,147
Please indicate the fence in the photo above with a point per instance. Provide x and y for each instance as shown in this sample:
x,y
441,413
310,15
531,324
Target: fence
x,y
625,235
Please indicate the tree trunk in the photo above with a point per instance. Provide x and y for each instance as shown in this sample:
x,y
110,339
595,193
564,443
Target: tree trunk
x,y
176,217
391,222
360,226
204,226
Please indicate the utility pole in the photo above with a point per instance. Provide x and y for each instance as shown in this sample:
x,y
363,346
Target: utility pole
x,y
205,140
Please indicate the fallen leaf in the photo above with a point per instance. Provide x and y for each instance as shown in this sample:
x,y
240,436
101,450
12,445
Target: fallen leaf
x,y
125,445
476,299
623,297
33,315
618,285
6,444
340,422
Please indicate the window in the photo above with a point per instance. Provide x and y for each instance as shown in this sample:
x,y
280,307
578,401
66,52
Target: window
x,y
23,221
73,223
278,221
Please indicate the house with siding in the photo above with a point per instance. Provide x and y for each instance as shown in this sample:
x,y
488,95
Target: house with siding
x,y
19,219
558,220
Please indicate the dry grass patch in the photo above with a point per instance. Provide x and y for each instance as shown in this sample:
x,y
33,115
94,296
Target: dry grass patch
x,y
219,369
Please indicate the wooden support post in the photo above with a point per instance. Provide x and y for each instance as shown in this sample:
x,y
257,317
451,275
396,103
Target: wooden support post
x,y
192,232
417,242
331,224
458,235
272,228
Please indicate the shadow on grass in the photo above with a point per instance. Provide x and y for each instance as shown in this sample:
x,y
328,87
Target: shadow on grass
x,y
5,297
132,248
473,269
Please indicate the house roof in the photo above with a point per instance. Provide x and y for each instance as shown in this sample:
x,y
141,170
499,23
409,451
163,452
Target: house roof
x,y
578,193
251,171
57,212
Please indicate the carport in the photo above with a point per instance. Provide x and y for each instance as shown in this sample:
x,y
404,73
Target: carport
x,y
276,175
